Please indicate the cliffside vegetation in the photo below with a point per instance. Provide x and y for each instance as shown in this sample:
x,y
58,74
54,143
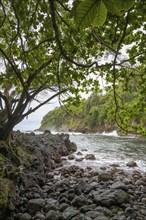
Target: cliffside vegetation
x,y
98,112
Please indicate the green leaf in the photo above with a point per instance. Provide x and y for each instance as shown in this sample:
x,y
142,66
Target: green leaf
x,y
100,15
110,7
123,5
85,13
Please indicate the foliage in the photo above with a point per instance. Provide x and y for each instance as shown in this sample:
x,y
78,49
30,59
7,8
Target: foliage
x,y
93,12
98,111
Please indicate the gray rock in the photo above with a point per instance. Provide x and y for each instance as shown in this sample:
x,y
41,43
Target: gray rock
x,y
109,198
71,157
35,205
93,214
79,217
52,215
131,164
25,216
63,206
79,153
62,185
130,212
79,201
101,218
90,157
51,201
104,176
69,213
40,216
144,201
79,159
119,217
104,210
119,185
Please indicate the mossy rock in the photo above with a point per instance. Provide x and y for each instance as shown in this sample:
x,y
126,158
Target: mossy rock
x,y
5,186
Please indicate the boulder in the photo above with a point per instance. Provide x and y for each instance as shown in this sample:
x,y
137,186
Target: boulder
x,y
131,164
69,213
79,201
52,215
104,176
109,197
90,157
35,205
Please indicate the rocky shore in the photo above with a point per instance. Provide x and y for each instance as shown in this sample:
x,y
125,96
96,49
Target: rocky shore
x,y
47,190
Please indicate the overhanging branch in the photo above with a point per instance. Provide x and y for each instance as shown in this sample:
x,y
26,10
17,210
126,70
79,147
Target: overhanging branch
x,y
43,103
59,43
18,74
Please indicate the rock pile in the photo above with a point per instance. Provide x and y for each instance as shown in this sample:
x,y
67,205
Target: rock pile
x,y
72,193
47,191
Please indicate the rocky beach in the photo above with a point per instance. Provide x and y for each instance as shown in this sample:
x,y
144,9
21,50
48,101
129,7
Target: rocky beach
x,y
44,188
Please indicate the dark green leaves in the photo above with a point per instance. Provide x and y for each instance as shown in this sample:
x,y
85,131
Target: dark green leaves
x,y
100,15
123,5
90,12
94,12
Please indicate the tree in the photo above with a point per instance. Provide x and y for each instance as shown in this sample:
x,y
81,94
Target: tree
x,y
43,49
31,60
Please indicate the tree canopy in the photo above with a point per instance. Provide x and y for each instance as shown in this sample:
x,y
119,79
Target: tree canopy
x,y
62,47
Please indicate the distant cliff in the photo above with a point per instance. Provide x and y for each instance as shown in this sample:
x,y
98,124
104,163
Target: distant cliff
x,y
97,114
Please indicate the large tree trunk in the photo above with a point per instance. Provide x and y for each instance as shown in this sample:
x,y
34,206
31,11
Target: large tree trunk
x,y
6,135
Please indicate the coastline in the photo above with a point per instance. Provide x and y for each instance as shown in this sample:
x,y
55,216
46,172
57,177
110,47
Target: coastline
x,y
47,189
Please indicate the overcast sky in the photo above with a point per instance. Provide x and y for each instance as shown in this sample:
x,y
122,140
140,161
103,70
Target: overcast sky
x,y
34,120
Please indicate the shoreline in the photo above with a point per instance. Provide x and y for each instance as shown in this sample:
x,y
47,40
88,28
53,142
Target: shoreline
x,y
45,189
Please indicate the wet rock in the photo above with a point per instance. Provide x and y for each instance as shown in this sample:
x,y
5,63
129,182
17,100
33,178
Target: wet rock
x,y
101,218
35,205
109,198
51,201
119,217
131,164
79,217
90,157
52,215
105,176
79,159
25,216
93,214
144,201
63,206
62,185
79,153
79,201
71,157
130,212
103,168
119,185
39,216
69,213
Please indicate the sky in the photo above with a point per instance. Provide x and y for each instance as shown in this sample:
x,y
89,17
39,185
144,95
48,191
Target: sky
x,y
33,121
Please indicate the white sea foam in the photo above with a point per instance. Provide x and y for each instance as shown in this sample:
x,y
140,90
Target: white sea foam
x,y
113,133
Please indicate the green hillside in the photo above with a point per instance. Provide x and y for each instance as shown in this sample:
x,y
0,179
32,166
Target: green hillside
x,y
99,112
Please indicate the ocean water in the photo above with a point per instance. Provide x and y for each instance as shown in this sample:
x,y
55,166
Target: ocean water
x,y
109,149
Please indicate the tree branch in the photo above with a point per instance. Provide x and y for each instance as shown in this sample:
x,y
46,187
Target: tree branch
x,y
59,43
18,74
114,71
34,74
36,46
102,42
43,103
